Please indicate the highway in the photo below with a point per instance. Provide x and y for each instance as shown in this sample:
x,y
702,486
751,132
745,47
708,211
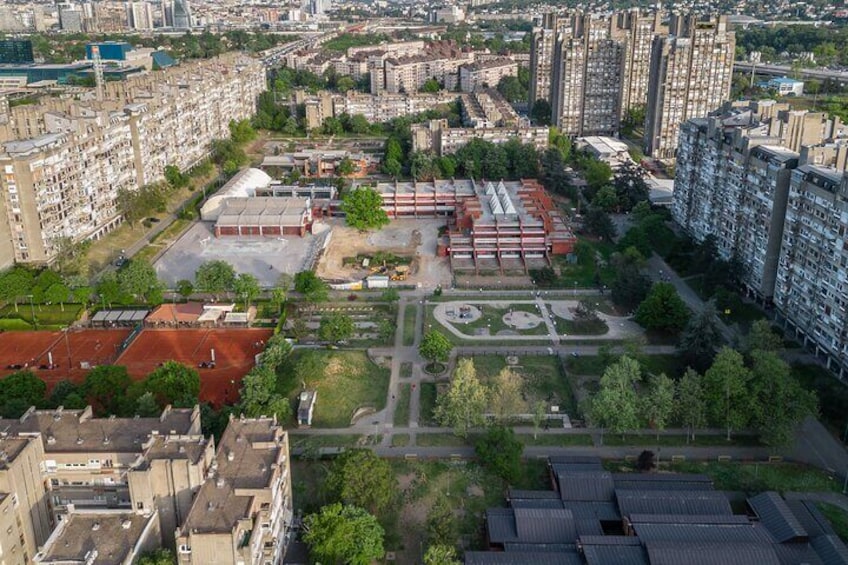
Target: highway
x,y
783,70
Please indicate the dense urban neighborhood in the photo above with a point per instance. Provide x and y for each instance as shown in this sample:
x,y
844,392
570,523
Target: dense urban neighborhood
x,y
487,282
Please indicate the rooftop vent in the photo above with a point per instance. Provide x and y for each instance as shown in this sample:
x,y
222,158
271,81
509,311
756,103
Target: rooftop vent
x,y
230,456
79,440
95,526
126,524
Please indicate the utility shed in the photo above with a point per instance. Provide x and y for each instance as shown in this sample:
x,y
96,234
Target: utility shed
x,y
777,517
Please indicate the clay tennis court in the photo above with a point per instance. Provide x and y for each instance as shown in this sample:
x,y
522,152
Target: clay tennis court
x,y
72,353
235,351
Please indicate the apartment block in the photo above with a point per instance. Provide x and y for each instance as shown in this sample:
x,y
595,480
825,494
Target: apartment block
x,y
64,160
732,180
25,519
440,61
639,31
691,70
482,75
542,44
811,294
243,512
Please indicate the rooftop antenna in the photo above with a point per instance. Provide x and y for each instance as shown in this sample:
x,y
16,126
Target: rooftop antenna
x,y
98,71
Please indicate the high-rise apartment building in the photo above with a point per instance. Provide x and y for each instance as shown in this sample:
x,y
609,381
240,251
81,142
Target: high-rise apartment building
x,y
71,18
542,44
592,68
690,75
811,294
139,15
64,161
177,14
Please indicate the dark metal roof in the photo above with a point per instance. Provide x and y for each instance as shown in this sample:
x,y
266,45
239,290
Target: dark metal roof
x,y
661,481
797,553
703,519
604,511
541,547
594,485
531,525
652,485
615,555
676,553
517,494
536,503
671,502
810,517
608,540
831,550
558,468
518,558
702,533
775,515
566,459
588,527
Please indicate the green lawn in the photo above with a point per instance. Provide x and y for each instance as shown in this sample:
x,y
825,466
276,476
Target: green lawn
x,y
837,518
547,439
491,322
409,319
584,273
671,365
833,396
440,440
345,381
427,405
400,440
401,417
336,440
758,477
543,378
574,327
405,370
47,316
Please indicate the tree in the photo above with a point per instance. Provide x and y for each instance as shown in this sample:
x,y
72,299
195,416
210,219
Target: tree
x,y
598,223
363,209
68,394
175,384
606,199
361,478
539,415
629,287
57,292
359,124
762,337
430,85
663,309
615,406
215,277
441,554
778,401
138,279
586,311
701,337
278,298
157,557
500,452
336,327
174,177
310,286
19,391
541,112
343,84
422,166
630,186
505,395
689,403
277,350
658,402
242,131
259,395
462,406
435,347
105,387
108,289
512,89
726,390
645,462
390,295
596,173
146,406
185,288
246,287
343,534
441,523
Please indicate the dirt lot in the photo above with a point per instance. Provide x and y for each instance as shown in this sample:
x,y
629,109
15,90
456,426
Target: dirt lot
x,y
408,238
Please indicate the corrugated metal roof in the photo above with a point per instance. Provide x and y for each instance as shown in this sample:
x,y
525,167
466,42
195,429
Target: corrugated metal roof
x,y
500,523
514,494
615,555
588,527
651,485
545,525
703,519
609,540
557,468
775,515
517,558
810,517
541,547
675,553
671,502
797,553
831,550
593,485
661,481
536,503
698,533
604,511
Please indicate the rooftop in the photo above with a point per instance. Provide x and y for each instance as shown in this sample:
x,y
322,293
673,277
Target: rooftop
x,y
105,538
10,448
248,457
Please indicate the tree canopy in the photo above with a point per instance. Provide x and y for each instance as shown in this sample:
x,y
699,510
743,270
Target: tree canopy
x,y
435,347
363,209
344,534
615,406
462,406
500,452
19,391
215,277
310,286
335,327
663,309
361,478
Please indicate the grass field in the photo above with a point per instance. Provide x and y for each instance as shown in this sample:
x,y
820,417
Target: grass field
x,y
560,440
837,517
409,319
47,316
335,440
648,440
345,381
440,440
543,378
574,327
671,365
401,416
400,440
759,477
428,405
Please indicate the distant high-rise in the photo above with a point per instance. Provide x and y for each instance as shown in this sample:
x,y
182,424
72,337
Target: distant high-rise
x,y
180,14
139,15
16,51
542,44
70,18
690,77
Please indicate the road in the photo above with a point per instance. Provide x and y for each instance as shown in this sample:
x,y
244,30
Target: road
x,y
784,70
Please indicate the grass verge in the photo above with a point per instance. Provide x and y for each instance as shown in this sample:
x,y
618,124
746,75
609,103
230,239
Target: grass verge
x,y
410,317
401,416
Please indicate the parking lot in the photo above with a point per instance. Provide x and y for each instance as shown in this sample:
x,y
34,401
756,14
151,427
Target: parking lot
x,y
266,258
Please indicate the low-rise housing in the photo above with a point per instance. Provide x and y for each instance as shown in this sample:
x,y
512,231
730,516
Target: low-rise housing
x,y
486,74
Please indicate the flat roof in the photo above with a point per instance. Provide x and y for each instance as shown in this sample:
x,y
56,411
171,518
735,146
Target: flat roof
x,y
95,539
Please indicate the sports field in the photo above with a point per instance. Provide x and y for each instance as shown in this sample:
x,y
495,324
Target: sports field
x,y
233,351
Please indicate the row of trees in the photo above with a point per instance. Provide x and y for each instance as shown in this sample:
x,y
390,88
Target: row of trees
x,y
753,391
109,389
478,159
